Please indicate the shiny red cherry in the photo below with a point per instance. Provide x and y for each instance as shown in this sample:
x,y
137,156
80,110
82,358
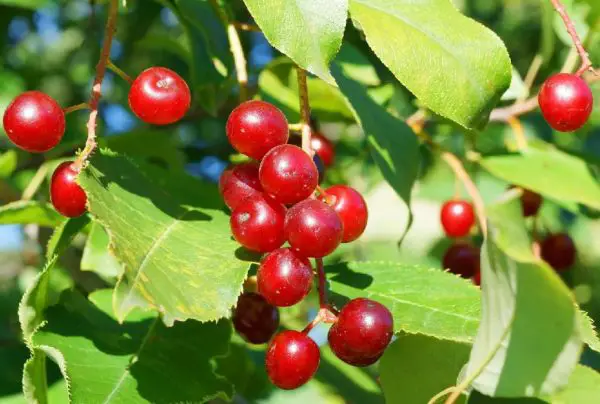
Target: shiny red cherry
x,y
257,223
284,277
238,183
457,218
351,207
67,197
323,148
566,102
292,359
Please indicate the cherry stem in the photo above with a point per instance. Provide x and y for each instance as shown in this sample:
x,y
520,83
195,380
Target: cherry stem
x,y
519,133
35,183
586,63
114,68
304,111
325,315
322,283
239,60
109,32
77,107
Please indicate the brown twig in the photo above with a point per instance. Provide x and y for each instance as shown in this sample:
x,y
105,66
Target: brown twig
x,y
586,63
109,31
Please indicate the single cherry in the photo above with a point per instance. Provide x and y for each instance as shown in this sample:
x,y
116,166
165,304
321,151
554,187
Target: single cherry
x,y
288,174
34,122
351,207
284,277
323,148
67,197
257,223
238,183
292,359
313,228
559,251
362,332
462,259
255,319
457,218
255,127
159,96
530,202
566,102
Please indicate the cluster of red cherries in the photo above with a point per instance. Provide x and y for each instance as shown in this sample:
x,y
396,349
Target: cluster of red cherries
x,y
272,199
35,123
463,258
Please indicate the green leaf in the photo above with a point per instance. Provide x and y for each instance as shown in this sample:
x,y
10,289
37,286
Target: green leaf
x,y
32,4
137,362
468,67
310,33
423,301
394,146
588,331
583,387
97,256
416,367
8,163
25,212
519,290
548,171
179,257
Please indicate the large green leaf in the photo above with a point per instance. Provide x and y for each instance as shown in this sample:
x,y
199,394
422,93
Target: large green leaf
x,y
526,310
423,301
8,163
416,367
97,256
550,172
137,362
454,65
25,212
179,257
309,32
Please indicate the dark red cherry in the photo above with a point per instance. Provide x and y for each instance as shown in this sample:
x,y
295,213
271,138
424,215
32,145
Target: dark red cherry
x,y
255,319
462,259
566,102
477,278
255,127
559,251
292,359
159,96
288,174
457,218
67,197
313,228
257,223
351,207
530,202
323,148
362,332
284,277
238,183
34,122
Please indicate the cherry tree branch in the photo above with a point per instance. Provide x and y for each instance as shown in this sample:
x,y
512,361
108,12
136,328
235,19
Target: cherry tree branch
x,y
109,32
586,63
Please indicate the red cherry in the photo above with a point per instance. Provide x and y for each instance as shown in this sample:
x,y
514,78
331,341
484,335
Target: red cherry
x,y
559,251
255,319
257,223
351,207
566,102
313,228
462,259
292,359
255,127
530,202
288,174
323,148
34,122
476,279
68,198
457,218
362,332
238,183
159,96
284,277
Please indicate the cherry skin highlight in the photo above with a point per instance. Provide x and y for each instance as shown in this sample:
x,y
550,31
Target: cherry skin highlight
x,y
257,223
159,96
462,259
292,359
559,251
34,122
323,148
457,218
238,183
255,127
313,229
67,197
566,102
288,174
351,207
362,332
284,277
255,319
